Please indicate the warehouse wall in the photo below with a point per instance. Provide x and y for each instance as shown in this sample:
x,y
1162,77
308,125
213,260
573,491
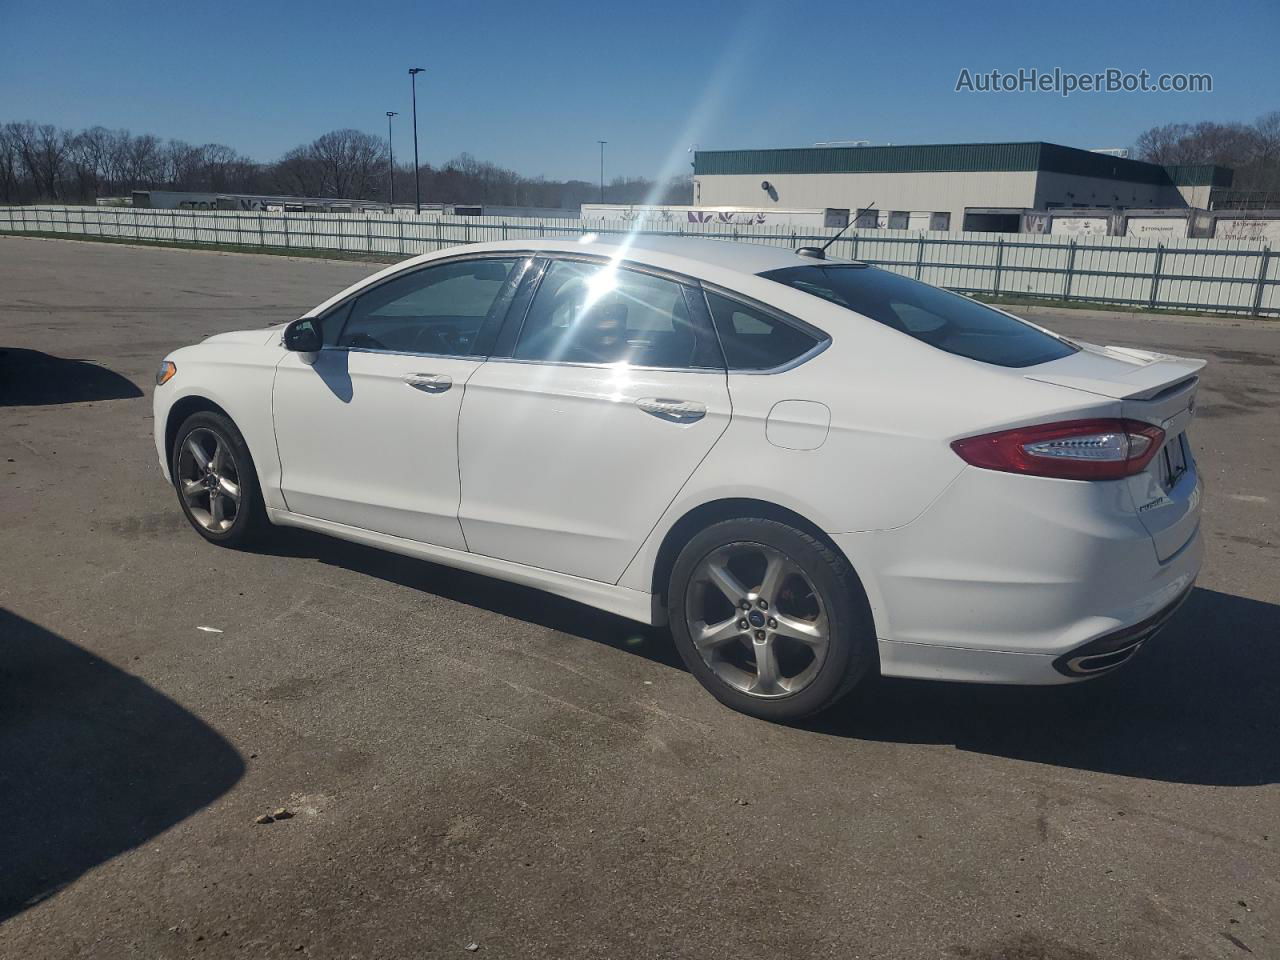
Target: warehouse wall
x,y
1053,188
937,192
920,192
1195,196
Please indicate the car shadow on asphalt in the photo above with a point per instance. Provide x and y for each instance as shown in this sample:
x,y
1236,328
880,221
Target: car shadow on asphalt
x,y
93,762
486,593
1197,705
31,378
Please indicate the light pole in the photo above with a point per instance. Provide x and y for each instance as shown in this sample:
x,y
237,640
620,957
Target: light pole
x,y
602,143
391,164
417,189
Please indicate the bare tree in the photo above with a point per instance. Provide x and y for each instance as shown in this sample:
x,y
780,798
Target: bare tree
x,y
10,165
1267,131
226,171
43,150
350,162
678,190
184,165
1162,144
83,161
298,172
145,162
1252,151
40,161
91,154
119,147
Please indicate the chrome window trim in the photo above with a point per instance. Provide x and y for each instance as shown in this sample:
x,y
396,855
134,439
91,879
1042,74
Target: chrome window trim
x,y
822,338
406,353
719,371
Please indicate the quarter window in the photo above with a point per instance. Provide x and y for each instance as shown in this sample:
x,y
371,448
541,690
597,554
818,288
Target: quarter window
x,y
753,339
600,313
439,310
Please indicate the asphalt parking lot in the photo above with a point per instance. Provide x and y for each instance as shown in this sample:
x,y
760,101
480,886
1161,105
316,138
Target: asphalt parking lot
x,y
473,763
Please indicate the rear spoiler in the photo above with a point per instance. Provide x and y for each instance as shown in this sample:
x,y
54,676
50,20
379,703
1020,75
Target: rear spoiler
x,y
1158,374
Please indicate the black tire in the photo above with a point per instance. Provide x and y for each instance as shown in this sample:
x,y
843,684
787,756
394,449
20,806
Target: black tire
x,y
850,648
250,515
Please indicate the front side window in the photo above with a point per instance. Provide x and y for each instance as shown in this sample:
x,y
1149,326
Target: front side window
x,y
929,314
438,310
753,339
600,313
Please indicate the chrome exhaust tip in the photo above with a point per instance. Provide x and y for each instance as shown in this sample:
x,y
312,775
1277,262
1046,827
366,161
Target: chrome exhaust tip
x,y
1110,651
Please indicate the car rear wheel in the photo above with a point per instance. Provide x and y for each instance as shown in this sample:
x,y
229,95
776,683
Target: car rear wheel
x,y
771,620
216,481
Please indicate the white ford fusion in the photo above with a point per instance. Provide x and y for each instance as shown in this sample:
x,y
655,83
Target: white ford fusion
x,y
810,468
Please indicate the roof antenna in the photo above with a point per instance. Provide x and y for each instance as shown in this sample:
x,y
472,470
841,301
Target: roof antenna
x,y
820,253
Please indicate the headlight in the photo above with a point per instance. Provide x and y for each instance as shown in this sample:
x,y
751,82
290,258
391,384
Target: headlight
x,y
167,369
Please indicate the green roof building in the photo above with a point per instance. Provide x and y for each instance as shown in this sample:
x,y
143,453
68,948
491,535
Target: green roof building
x,y
958,186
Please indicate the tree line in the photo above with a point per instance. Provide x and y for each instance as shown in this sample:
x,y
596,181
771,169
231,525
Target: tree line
x,y
42,162
1252,150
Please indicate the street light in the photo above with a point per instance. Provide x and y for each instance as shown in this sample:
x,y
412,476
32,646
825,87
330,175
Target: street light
x,y
391,165
602,143
417,190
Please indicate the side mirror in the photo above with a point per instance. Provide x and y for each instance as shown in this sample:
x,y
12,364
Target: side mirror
x,y
303,336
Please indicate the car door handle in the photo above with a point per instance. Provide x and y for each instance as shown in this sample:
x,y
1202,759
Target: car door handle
x,y
429,382
675,411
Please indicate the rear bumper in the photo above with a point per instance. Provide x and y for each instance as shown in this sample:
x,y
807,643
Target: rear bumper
x,y
1009,579
1103,654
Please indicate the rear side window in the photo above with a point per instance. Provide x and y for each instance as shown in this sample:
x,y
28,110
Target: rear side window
x,y
753,339
941,319
598,313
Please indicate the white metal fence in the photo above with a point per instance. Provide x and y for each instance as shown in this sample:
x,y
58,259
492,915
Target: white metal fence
x,y
1227,276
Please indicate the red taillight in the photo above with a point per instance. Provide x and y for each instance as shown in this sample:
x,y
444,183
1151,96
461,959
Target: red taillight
x,y
1071,450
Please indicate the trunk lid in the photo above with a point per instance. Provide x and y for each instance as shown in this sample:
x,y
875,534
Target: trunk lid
x,y
1118,372
1155,388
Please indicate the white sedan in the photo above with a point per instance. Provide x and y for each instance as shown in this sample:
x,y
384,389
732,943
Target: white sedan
x,y
812,469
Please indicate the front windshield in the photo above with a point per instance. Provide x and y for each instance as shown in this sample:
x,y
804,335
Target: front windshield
x,y
931,315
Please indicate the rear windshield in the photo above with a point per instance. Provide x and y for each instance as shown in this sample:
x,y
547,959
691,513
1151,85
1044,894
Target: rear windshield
x,y
944,320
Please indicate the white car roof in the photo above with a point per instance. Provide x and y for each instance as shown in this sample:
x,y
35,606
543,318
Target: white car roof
x,y
659,251
719,261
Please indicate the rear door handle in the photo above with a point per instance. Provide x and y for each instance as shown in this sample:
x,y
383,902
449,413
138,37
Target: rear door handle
x,y
429,382
674,411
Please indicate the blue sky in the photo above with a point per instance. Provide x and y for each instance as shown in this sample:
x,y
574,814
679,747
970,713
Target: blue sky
x,y
534,85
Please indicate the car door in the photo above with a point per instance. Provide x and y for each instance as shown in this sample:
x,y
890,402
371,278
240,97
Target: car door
x,y
604,395
367,427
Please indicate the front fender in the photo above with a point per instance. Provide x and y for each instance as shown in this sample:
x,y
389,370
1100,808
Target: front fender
x,y
238,379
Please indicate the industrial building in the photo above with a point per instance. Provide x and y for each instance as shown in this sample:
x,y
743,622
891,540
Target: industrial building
x,y
962,186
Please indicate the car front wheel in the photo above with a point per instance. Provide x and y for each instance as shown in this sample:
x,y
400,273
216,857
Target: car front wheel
x,y
771,620
216,481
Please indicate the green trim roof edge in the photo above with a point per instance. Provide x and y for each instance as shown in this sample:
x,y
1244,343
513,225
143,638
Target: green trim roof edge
x,y
1030,156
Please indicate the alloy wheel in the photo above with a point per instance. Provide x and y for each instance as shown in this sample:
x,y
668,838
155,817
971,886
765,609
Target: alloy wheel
x,y
209,480
757,620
